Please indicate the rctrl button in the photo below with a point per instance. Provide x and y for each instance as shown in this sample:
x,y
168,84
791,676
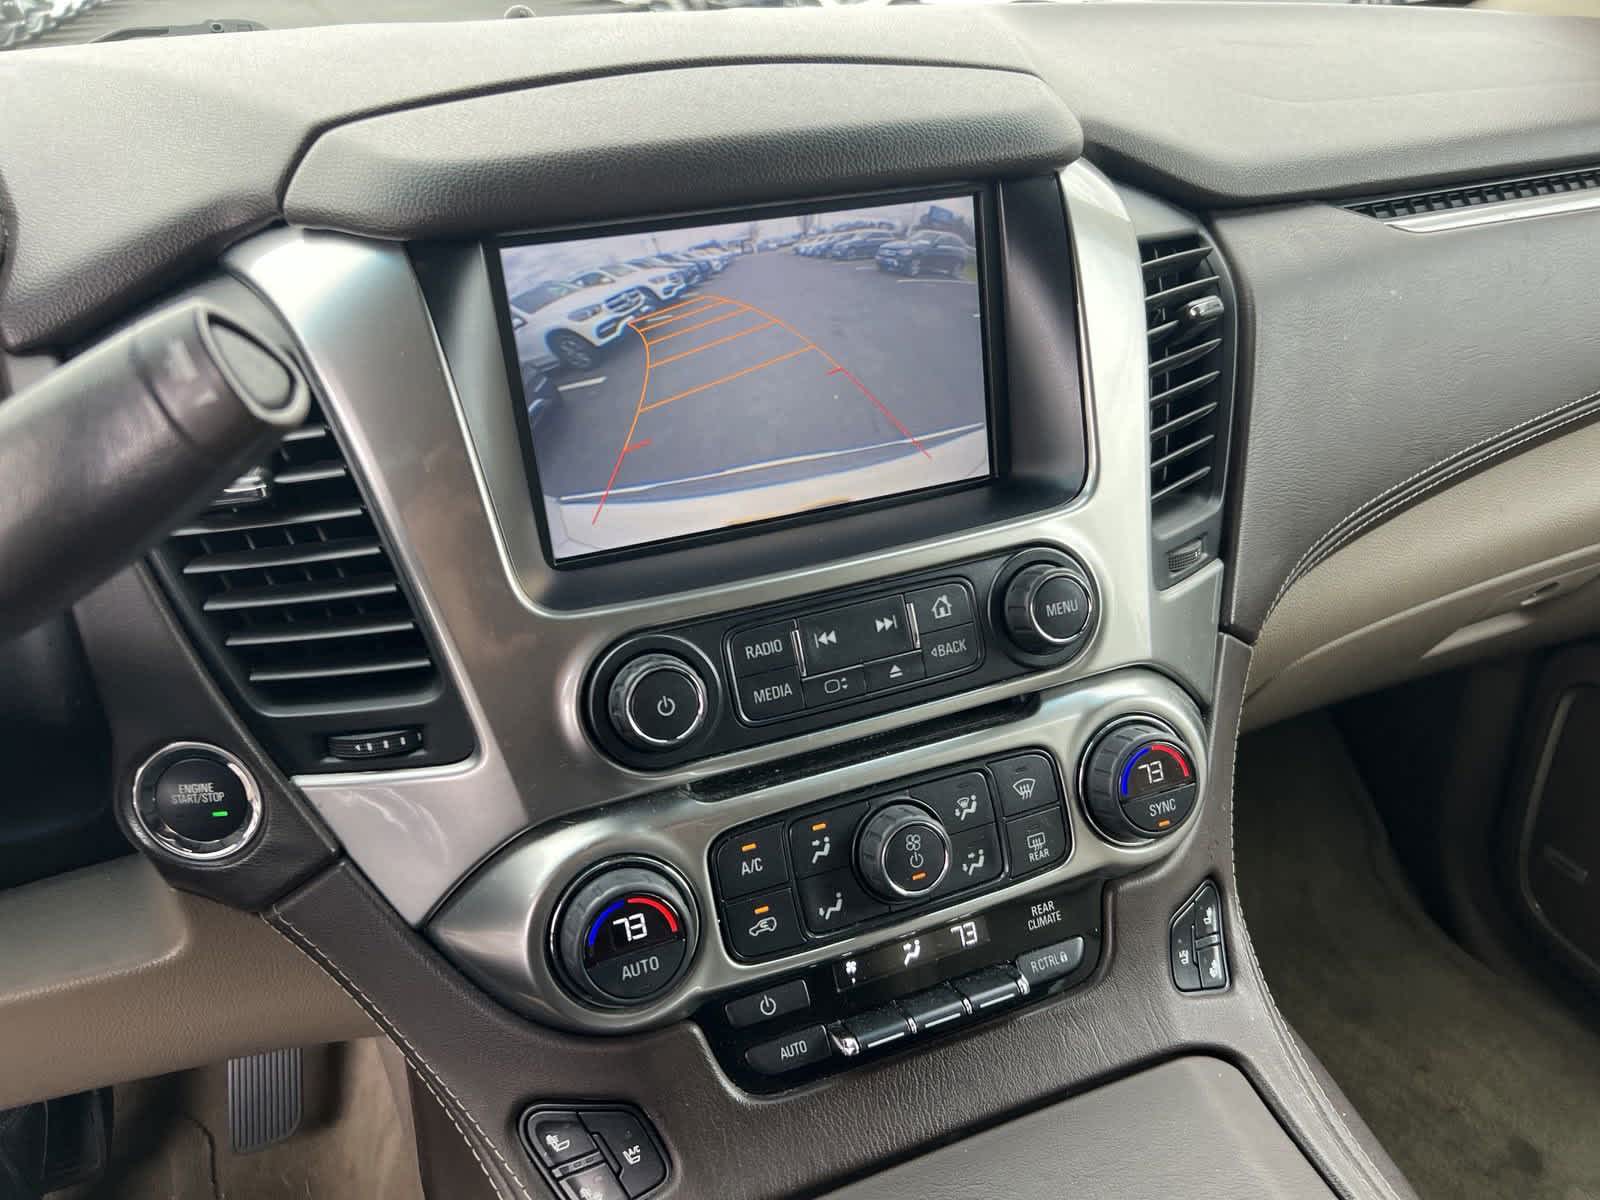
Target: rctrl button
x,y
640,1166
835,900
791,1051
942,606
953,650
769,1004
1036,841
771,694
763,925
750,861
1048,963
557,1137
765,649
847,637
822,842
1025,782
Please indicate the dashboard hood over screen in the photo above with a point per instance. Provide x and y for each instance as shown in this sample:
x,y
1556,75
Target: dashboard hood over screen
x,y
1177,95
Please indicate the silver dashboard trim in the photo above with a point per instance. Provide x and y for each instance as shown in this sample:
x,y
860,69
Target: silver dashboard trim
x,y
1498,213
495,927
357,311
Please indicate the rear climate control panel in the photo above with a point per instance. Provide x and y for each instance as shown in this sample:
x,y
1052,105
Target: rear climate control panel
x,y
669,696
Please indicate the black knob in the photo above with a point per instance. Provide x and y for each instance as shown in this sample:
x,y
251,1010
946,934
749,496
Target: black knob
x,y
656,702
903,851
1047,607
1139,782
625,935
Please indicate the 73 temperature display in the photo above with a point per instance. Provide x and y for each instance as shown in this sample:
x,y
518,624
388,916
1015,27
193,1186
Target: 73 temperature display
x,y
918,950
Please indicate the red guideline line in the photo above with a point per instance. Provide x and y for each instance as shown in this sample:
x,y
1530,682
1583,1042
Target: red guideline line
x,y
882,407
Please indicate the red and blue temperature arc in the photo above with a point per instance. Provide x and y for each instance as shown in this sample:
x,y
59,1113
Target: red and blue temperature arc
x,y
1168,747
648,901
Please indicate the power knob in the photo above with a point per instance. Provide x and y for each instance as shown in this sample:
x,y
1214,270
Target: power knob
x,y
657,702
1139,782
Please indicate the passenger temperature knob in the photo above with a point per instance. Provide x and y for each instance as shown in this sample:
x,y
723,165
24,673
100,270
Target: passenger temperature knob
x,y
1139,782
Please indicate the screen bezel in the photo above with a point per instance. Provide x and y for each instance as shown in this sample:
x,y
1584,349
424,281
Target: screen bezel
x,y
991,333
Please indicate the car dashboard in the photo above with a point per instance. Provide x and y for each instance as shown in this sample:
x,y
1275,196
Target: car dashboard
x,y
656,789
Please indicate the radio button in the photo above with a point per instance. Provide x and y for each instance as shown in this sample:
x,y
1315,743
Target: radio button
x,y
942,606
954,650
768,648
835,901
770,694
763,925
894,672
850,636
750,861
832,689
822,842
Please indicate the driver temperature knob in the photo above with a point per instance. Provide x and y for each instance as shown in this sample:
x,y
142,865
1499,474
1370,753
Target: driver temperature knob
x,y
903,851
1139,782
626,934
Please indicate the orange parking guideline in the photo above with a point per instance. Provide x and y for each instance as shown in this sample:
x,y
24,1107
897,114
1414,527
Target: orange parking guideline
x,y
760,366
628,442
661,362
732,312
656,319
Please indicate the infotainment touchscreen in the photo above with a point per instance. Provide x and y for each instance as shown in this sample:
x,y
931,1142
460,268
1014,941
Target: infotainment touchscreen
x,y
688,380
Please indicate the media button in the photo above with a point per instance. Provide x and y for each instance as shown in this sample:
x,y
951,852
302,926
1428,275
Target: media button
x,y
770,694
768,648
953,650
835,688
894,672
858,633
942,606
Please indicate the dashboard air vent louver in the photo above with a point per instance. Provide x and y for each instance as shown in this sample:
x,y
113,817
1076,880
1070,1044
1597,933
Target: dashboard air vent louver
x,y
1534,187
1184,313
287,575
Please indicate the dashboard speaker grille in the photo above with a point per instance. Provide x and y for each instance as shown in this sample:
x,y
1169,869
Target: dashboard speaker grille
x,y
1184,312
292,582
1416,204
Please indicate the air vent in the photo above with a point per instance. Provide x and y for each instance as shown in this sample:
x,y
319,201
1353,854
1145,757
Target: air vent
x,y
1184,313
1535,187
289,580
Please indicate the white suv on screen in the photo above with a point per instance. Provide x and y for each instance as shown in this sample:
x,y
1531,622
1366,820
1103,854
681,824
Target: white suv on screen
x,y
655,286
567,322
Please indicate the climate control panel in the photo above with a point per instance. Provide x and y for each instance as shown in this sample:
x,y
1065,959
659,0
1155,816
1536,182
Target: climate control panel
x,y
668,696
857,861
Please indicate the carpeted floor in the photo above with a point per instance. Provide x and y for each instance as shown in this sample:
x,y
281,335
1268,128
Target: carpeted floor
x,y
170,1139
1479,1088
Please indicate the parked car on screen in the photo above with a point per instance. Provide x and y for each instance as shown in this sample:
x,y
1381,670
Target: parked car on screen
x,y
717,259
924,252
539,393
685,274
569,323
654,286
860,245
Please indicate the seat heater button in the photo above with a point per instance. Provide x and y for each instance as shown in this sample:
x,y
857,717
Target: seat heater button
x,y
557,1137
597,1183
640,1166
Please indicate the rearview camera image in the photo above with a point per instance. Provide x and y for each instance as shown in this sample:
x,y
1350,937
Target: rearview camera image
x,y
688,380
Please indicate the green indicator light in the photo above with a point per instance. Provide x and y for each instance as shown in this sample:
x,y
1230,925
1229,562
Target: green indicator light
x,y
219,812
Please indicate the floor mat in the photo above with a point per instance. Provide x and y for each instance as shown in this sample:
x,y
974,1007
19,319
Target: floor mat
x,y
1477,1086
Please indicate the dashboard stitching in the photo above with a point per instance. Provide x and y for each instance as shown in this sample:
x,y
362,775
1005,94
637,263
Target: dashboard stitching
x,y
303,942
1398,502
1386,501
1285,1033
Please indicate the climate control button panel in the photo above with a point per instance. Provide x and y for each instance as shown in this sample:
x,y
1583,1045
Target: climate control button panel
x,y
847,864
